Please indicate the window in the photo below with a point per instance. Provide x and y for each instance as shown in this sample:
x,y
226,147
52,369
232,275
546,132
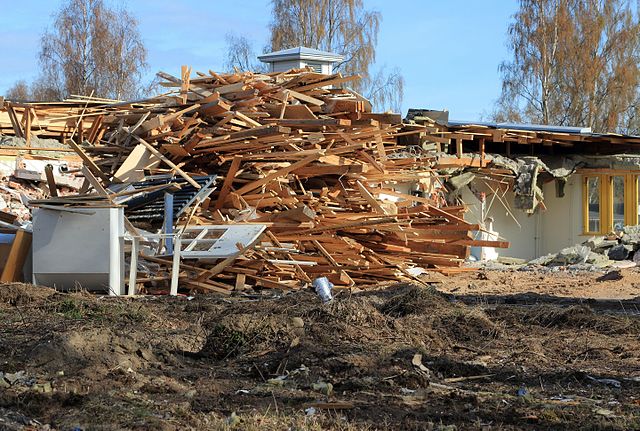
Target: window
x,y
636,193
593,206
610,202
617,199
317,67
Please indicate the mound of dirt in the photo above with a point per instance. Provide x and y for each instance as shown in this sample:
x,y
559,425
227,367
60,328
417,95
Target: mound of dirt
x,y
404,357
93,352
573,317
413,300
413,317
18,294
236,334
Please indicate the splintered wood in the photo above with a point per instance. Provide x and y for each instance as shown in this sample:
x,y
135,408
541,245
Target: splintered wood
x,y
340,196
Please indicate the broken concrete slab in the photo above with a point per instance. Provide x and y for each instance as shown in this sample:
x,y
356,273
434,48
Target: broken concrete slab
x,y
619,252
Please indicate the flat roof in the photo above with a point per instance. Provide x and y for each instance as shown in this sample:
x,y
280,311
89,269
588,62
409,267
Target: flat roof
x,y
521,126
300,53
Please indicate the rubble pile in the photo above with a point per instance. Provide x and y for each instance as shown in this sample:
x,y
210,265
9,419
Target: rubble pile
x,y
618,250
337,193
14,199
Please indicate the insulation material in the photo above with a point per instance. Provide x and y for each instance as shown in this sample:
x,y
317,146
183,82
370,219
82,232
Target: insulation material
x,y
528,194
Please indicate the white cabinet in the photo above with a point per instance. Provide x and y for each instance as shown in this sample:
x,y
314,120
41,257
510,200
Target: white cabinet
x,y
79,248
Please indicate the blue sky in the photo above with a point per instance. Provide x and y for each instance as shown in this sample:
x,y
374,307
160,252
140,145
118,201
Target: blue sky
x,y
448,51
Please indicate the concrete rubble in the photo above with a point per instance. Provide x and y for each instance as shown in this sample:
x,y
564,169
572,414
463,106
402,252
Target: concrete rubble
x,y
618,251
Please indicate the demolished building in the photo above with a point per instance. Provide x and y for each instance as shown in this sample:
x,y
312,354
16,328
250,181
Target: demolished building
x,y
543,188
236,181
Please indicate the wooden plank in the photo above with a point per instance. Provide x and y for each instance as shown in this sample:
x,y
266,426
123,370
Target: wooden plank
x,y
168,162
349,225
459,148
280,173
405,196
220,266
333,262
324,169
214,108
298,112
380,146
26,116
209,285
301,273
305,98
228,181
51,182
184,88
265,282
132,168
310,122
14,121
329,82
12,271
483,243
247,120
240,283
373,202
88,161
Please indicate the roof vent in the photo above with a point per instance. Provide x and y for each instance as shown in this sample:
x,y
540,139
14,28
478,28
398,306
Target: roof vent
x,y
295,58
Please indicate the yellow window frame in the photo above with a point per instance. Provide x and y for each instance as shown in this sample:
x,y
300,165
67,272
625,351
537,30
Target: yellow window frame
x,y
605,186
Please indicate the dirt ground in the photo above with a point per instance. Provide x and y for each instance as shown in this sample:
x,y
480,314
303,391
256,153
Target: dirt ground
x,y
606,284
404,357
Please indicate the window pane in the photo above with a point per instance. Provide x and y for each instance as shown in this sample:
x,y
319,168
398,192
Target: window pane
x,y
637,199
593,192
618,203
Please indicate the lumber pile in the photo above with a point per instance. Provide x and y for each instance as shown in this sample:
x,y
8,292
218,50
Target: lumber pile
x,y
340,196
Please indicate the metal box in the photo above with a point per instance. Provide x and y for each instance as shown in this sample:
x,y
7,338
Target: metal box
x,y
79,248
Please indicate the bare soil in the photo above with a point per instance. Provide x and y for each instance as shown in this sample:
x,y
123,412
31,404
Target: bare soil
x,y
606,284
404,357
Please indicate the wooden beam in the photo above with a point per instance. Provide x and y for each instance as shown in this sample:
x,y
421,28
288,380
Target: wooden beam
x,y
459,147
330,82
373,202
161,156
228,181
88,161
280,173
51,182
20,246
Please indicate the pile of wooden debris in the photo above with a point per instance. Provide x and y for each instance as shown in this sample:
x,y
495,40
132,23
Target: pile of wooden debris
x,y
338,193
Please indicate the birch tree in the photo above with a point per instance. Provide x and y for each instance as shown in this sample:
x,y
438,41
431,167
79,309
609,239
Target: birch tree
x,y
240,54
575,62
92,48
345,27
19,91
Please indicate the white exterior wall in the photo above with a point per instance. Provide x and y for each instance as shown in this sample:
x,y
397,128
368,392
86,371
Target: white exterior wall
x,y
327,68
562,222
283,66
522,238
541,233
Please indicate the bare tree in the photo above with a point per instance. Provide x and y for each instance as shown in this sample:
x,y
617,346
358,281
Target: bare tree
x,y
43,90
19,91
575,62
240,54
92,48
341,26
386,90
